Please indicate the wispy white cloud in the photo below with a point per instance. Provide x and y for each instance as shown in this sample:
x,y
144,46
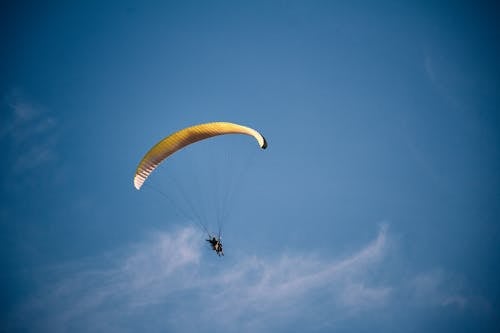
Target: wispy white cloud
x,y
457,80
263,295
277,284
163,284
253,293
29,131
437,288
94,295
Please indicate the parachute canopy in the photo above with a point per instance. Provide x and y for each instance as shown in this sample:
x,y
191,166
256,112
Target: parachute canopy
x,y
185,137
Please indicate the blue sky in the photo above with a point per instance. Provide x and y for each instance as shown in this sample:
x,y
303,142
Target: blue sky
x,y
375,207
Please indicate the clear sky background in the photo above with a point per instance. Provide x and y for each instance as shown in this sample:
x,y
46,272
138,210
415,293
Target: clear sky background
x,y
375,208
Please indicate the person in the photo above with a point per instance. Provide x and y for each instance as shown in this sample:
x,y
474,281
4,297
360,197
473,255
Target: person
x,y
216,245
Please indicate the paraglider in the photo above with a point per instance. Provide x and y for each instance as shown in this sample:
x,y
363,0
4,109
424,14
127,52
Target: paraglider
x,y
216,244
185,137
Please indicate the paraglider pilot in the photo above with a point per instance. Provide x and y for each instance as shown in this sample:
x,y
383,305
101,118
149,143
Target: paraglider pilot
x,y
216,245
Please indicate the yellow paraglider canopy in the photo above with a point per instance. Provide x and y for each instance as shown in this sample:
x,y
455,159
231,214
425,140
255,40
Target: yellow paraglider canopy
x,y
185,137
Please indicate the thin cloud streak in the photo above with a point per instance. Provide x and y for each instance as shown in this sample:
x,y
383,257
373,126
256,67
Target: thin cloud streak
x,y
156,274
92,296
31,133
258,293
437,288
163,283
293,276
